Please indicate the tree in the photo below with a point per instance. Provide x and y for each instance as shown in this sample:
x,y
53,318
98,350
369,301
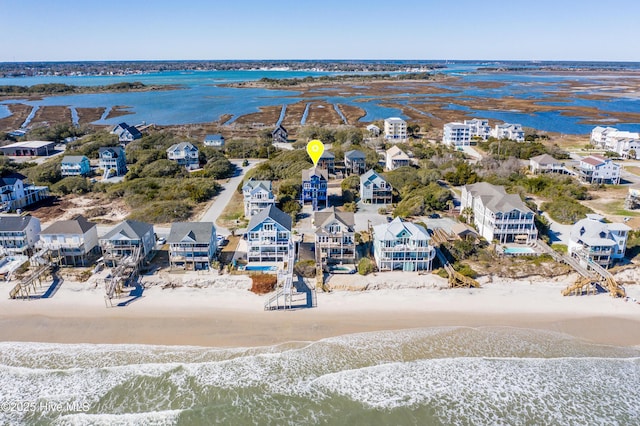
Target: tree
x,y
366,266
467,213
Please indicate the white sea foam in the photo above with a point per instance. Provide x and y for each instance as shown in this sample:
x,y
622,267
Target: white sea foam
x,y
156,418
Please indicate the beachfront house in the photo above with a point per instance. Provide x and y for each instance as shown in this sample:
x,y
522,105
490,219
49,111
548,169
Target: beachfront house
x,y
456,134
625,144
597,169
396,158
257,195
395,130
509,131
29,149
215,140
75,165
335,237
400,245
314,188
355,162
192,245
593,240
280,134
498,215
478,128
18,234
126,133
374,189
327,161
546,164
71,242
113,161
16,192
269,236
184,153
374,131
128,239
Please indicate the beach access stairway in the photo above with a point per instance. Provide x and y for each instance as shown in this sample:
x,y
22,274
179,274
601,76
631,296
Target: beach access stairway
x,y
456,279
291,295
125,271
590,275
30,284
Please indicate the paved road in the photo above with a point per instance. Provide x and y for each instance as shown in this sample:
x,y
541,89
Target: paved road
x,y
220,202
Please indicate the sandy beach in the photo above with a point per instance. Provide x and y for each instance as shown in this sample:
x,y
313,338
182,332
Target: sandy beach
x,y
225,314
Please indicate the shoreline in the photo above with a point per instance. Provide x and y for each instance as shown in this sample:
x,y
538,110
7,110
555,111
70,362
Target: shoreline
x,y
228,315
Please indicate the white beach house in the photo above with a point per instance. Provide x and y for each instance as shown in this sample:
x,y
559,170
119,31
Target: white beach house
x,y
598,169
509,131
16,193
127,239
72,242
269,236
396,158
498,215
593,240
546,164
395,130
257,195
184,153
402,245
18,234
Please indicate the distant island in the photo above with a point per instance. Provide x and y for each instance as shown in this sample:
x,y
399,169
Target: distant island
x,y
66,89
343,78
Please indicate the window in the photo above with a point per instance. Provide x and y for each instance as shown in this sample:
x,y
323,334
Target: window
x,y
268,227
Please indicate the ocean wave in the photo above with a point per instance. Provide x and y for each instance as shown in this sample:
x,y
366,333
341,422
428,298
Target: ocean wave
x,y
440,374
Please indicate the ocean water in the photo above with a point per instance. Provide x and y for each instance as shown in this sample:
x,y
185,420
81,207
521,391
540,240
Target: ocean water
x,y
448,376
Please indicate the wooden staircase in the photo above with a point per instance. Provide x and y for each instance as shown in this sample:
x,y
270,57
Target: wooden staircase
x,y
288,296
456,279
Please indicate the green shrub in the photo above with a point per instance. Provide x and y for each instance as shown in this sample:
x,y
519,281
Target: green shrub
x,y
305,268
162,168
72,185
565,210
366,266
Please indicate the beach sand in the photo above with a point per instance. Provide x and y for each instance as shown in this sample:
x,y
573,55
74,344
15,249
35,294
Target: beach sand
x,y
226,314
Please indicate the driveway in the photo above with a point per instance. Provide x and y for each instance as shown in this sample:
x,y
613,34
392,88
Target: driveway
x,y
220,202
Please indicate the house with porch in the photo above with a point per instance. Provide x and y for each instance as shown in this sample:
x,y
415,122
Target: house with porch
x,y
498,215
355,162
327,161
128,239
215,140
374,189
16,192
75,165
593,240
184,153
374,131
509,131
71,242
269,236
192,245
546,164
395,129
113,161
396,158
400,245
335,237
597,169
314,188
257,195
18,234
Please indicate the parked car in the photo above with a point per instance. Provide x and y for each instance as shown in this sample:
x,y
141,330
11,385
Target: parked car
x,y
162,241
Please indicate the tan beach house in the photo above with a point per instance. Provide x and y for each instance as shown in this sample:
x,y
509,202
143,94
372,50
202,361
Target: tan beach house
x,y
192,245
129,238
71,242
335,237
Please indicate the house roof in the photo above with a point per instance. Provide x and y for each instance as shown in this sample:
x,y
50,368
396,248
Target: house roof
x,y
373,127
279,127
195,232
182,146
397,154
135,133
495,198
593,231
327,154
394,120
544,159
74,158
11,179
12,223
354,154
251,184
272,212
129,229
371,176
115,150
593,160
29,144
391,230
322,219
76,226
214,137
314,171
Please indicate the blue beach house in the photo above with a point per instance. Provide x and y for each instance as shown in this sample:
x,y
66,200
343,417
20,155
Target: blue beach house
x,y
75,165
314,188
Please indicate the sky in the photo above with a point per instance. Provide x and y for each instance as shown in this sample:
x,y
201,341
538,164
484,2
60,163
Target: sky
x,y
85,30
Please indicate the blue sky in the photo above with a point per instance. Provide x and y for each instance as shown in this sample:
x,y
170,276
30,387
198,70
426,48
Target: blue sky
x,y
49,30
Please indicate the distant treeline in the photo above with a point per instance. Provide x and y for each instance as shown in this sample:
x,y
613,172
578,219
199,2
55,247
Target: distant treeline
x,y
57,89
350,77
22,69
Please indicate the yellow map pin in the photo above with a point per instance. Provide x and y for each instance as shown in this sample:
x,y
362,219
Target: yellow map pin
x,y
315,148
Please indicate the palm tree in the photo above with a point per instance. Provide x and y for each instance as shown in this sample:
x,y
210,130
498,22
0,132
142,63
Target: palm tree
x,y
467,213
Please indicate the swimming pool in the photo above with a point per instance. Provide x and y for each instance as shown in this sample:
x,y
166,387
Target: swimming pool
x,y
519,250
260,268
